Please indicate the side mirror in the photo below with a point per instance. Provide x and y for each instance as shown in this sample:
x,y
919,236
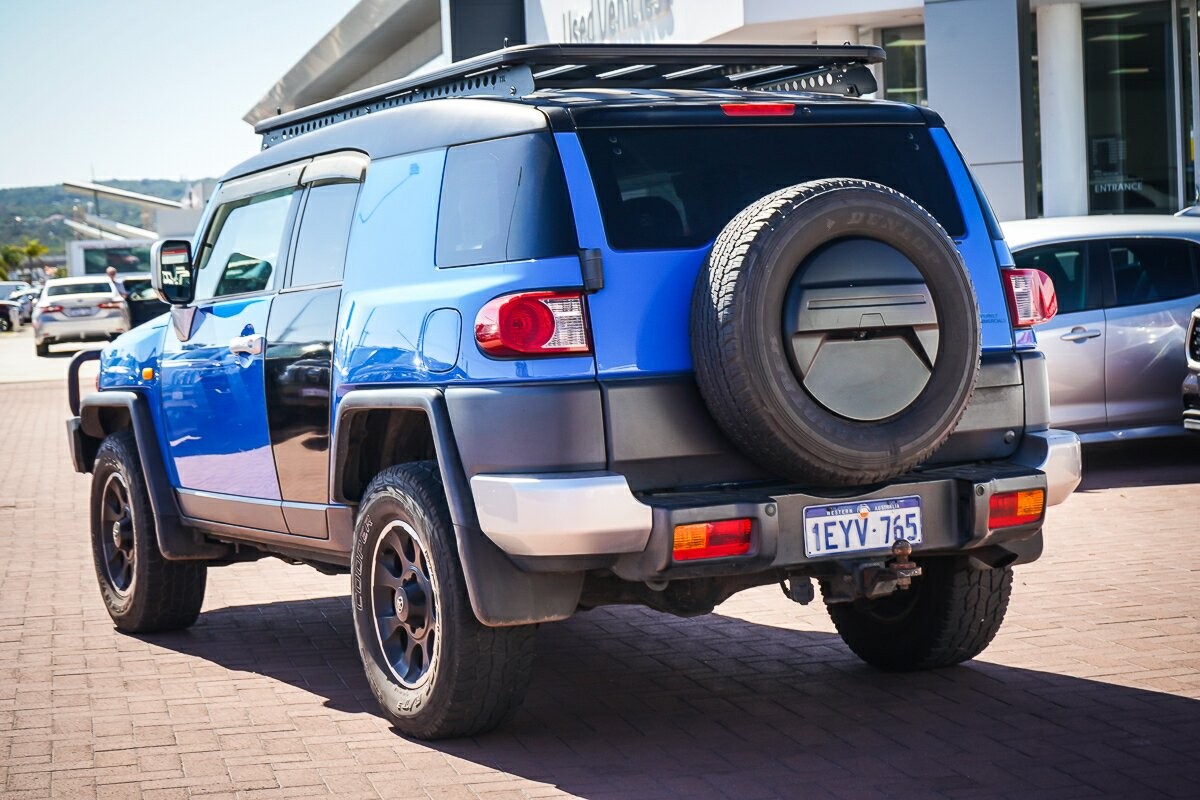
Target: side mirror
x,y
171,271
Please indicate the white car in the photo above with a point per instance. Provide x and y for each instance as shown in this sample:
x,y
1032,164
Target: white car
x,y
1126,288
78,310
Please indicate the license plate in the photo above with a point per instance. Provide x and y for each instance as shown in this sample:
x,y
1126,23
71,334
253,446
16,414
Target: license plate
x,y
80,312
862,525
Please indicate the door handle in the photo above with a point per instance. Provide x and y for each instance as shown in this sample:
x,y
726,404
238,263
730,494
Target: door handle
x,y
251,345
1079,334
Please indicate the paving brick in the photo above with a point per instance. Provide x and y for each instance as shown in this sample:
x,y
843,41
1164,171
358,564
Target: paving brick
x,y
1092,687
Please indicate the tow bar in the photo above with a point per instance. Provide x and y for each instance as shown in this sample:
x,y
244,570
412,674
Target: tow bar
x,y
872,579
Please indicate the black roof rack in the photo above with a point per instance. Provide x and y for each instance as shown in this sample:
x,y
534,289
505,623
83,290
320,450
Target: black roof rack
x,y
519,71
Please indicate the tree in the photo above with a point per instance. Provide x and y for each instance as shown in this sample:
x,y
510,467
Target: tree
x,y
34,249
10,258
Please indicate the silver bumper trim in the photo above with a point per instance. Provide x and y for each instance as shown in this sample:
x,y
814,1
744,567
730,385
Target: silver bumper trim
x,y
561,514
1057,454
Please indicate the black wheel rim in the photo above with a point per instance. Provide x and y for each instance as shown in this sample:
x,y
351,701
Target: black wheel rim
x,y
403,592
116,534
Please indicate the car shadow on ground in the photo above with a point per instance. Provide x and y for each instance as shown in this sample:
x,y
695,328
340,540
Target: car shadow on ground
x,y
625,702
1145,462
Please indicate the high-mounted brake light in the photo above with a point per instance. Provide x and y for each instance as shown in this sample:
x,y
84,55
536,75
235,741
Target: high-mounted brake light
x,y
758,109
1031,296
534,323
729,537
1009,509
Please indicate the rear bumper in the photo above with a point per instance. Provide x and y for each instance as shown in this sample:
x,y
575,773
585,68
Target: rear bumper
x,y
70,330
1056,454
544,520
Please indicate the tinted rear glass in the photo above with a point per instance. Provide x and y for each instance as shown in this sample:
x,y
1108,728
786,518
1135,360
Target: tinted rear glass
x,y
665,188
504,200
79,288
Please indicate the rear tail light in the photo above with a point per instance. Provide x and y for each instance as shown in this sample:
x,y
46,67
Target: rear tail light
x,y
534,323
1031,297
51,309
111,304
729,537
1009,509
758,109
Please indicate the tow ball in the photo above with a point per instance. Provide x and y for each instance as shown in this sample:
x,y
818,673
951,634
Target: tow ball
x,y
872,579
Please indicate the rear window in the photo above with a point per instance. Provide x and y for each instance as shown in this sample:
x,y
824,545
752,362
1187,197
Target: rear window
x,y
102,287
665,188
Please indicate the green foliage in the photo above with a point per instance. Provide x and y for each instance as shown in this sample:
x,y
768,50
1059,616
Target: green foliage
x,y
34,249
11,257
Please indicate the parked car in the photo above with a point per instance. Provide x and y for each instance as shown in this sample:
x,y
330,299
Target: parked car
x,y
143,301
7,288
78,310
1126,287
507,347
1191,384
10,316
25,299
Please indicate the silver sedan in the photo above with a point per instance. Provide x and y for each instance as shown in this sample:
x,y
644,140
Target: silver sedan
x,y
1126,288
77,310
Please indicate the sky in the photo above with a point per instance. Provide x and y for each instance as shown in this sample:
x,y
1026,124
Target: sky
x,y
142,88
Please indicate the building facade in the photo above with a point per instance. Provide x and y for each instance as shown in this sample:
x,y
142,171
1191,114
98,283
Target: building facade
x,y
1060,108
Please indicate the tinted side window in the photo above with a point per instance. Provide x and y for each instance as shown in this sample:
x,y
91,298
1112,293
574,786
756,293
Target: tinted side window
x,y
1149,270
324,229
1067,266
241,251
504,200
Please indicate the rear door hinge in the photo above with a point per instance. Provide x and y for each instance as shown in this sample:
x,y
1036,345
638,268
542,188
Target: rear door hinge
x,y
591,261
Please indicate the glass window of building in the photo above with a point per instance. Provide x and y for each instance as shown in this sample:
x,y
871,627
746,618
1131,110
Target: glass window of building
x,y
1129,79
904,70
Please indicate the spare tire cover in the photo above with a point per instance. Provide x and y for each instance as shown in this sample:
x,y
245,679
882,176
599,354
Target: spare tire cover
x,y
835,332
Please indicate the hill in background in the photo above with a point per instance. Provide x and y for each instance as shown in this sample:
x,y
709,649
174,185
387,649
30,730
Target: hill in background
x,y
40,210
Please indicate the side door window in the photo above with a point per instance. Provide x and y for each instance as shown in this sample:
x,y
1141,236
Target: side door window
x,y
240,254
324,230
1151,270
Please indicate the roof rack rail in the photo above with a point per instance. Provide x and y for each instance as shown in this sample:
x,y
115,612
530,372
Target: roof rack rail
x,y
519,71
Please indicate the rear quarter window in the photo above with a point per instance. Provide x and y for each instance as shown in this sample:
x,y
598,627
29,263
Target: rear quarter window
x,y
504,200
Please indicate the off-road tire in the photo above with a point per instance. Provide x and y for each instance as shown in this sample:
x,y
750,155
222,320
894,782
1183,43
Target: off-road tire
x,y
949,615
741,355
476,675
42,350
162,595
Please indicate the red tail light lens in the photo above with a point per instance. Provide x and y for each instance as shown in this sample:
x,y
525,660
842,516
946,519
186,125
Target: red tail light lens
x,y
534,323
1031,296
111,304
51,309
758,109
1009,509
729,537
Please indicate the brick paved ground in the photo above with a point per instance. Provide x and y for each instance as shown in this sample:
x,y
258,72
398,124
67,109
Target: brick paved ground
x,y
1091,689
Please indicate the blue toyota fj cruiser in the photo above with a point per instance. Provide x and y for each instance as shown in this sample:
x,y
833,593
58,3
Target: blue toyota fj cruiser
x,y
568,326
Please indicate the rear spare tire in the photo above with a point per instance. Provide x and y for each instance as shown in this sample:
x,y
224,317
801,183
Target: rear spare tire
x,y
835,332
